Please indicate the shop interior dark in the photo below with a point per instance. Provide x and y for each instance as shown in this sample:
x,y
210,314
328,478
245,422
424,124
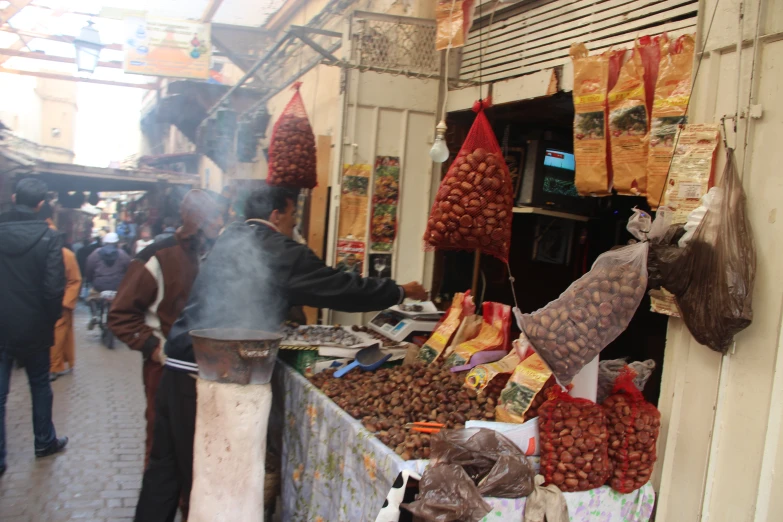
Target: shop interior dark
x,y
549,253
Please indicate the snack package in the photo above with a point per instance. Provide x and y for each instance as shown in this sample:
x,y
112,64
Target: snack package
x,y
525,383
633,425
443,333
497,319
672,94
649,48
292,147
574,442
628,126
468,329
473,206
481,375
591,82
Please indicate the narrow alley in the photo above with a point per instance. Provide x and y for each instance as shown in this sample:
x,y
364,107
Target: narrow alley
x,y
101,408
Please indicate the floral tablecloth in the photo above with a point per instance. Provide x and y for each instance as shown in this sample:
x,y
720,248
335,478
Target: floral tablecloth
x,y
334,470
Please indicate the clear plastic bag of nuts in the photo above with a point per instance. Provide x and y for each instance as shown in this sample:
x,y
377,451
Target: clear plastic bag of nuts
x,y
473,206
571,331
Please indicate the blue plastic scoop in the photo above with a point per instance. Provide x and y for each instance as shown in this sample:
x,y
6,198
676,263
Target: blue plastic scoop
x,y
368,359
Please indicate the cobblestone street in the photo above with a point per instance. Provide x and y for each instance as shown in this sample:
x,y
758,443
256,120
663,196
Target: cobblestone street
x,y
101,408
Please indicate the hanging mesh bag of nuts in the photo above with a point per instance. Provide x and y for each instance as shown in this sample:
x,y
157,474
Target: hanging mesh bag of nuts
x,y
633,425
292,147
473,206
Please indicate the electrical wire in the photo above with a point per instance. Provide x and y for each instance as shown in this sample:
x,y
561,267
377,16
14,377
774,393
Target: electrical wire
x,y
448,49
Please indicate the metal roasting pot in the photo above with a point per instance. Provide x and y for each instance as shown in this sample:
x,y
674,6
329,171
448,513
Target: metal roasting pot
x,y
235,355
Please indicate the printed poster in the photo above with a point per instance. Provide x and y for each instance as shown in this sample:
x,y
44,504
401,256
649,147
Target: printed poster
x,y
384,201
692,169
166,47
354,202
350,256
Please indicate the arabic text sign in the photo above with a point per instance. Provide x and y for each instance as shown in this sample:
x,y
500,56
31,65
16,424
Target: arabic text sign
x,y
164,47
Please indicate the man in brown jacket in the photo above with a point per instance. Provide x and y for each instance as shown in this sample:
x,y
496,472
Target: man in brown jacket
x,y
156,288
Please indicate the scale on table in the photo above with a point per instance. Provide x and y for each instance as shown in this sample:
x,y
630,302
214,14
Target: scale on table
x,y
400,323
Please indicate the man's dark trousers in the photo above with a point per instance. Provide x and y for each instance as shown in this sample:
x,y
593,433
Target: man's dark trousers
x,y
36,363
169,474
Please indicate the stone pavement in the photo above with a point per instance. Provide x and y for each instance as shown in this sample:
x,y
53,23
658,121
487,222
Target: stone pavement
x,y
101,408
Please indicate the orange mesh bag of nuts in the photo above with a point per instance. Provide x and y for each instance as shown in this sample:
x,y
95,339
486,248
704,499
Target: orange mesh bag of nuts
x,y
633,425
292,147
473,206
574,441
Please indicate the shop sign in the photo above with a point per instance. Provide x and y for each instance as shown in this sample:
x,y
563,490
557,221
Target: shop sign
x,y
166,47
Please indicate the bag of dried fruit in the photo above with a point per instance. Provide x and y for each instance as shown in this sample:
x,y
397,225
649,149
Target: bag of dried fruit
x,y
473,206
292,147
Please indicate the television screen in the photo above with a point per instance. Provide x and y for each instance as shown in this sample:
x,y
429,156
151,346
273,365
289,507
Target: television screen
x,y
559,170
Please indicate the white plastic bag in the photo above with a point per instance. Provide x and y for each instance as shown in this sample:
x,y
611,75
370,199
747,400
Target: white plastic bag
x,y
695,217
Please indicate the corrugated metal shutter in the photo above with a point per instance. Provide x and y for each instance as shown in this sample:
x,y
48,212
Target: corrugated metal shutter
x,y
531,36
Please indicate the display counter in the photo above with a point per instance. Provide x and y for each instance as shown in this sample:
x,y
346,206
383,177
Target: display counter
x,y
333,469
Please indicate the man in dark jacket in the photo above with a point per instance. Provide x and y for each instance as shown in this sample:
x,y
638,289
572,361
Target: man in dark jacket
x,y
32,285
254,274
156,288
105,269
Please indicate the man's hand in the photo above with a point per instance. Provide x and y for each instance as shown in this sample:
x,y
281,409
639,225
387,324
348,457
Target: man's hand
x,y
415,291
156,355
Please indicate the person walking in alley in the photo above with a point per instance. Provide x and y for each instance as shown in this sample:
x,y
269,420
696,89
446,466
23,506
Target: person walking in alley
x,y
253,276
32,287
63,350
105,269
156,288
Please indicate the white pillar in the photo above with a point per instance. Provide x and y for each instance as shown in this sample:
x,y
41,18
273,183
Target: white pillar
x,y
229,451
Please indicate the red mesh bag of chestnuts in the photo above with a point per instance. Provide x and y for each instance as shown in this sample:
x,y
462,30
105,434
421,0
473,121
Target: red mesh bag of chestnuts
x,y
574,441
292,147
633,425
473,206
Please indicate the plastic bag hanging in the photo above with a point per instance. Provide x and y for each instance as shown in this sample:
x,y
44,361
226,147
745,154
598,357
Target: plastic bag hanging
x,y
292,147
473,206
712,279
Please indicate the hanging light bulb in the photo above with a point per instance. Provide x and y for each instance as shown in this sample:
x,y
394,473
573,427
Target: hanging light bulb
x,y
439,151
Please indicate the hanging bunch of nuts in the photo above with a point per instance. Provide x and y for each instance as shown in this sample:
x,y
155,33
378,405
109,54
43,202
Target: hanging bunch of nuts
x,y
389,398
473,207
572,330
292,153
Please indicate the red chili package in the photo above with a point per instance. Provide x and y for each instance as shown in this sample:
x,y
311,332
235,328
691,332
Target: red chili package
x,y
633,425
473,207
292,147
574,442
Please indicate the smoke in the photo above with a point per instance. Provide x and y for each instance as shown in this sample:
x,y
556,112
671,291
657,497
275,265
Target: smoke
x,y
236,286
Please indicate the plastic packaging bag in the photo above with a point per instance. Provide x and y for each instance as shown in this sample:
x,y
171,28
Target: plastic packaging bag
x,y
447,494
650,49
695,217
292,147
495,464
454,19
573,437
609,371
633,425
628,125
571,331
712,278
473,206
672,93
546,504
461,306
491,336
525,384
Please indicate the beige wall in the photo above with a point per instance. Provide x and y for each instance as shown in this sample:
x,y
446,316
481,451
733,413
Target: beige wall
x,y
58,111
721,456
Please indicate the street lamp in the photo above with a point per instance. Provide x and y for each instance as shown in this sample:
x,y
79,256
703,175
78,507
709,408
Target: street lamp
x,y
88,48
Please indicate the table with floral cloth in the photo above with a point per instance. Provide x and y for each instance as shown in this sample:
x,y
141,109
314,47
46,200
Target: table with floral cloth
x,y
334,470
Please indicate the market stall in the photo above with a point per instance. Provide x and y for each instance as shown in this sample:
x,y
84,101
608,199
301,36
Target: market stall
x,y
335,469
